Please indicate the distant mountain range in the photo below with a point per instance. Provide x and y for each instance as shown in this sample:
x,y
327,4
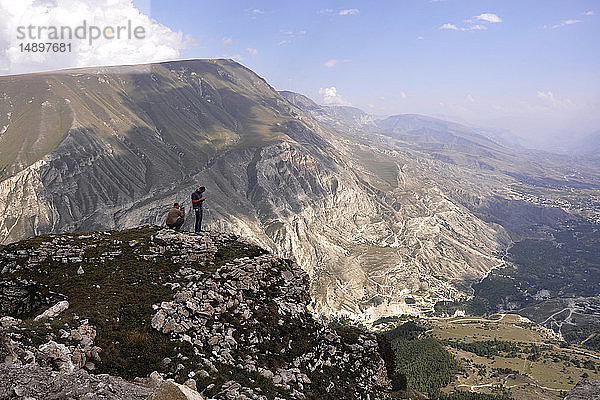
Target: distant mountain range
x,y
387,216
410,127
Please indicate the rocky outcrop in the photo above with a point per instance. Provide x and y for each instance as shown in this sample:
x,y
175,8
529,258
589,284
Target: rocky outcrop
x,y
231,321
20,296
168,390
586,389
248,312
32,381
53,311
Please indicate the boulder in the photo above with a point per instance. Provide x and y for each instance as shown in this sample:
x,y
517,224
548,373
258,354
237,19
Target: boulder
x,y
53,311
169,390
59,354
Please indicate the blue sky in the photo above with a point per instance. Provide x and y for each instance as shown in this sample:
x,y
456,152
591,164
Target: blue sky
x,y
536,65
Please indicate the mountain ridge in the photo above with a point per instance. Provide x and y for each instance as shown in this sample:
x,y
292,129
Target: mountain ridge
x,y
397,123
383,223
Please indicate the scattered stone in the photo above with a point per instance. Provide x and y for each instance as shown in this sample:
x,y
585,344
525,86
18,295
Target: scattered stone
x,y
7,322
191,384
53,311
233,315
156,378
59,354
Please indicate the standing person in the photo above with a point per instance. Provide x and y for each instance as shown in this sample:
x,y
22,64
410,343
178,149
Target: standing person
x,y
197,200
175,217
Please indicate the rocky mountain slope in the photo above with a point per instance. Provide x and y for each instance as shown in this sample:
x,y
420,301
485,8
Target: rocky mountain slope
x,y
587,389
371,221
541,200
216,313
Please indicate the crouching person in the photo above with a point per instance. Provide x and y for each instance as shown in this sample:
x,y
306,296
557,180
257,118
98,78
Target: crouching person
x,y
175,217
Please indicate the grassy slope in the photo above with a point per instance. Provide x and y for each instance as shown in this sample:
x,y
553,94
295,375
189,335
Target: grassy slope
x,y
199,107
554,370
117,297
471,356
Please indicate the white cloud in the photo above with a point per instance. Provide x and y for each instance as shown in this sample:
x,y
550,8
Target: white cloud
x,y
158,44
331,11
545,95
334,61
349,11
332,97
252,51
476,27
590,12
403,95
226,41
487,17
295,33
549,99
190,41
255,13
471,25
567,22
420,38
449,26
290,35
470,98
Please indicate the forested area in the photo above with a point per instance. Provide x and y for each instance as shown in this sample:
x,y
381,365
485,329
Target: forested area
x,y
421,363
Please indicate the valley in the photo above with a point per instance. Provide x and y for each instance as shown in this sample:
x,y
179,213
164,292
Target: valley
x,y
504,355
512,354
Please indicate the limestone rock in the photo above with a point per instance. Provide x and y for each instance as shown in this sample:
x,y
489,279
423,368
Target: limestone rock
x,y
33,381
225,322
168,390
53,311
19,296
60,354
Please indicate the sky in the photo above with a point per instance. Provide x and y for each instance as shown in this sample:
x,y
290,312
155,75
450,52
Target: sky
x,y
531,68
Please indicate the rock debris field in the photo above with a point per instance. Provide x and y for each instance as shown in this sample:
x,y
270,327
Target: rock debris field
x,y
149,313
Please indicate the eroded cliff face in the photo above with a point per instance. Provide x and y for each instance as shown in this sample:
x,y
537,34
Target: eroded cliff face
x,y
25,210
370,231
